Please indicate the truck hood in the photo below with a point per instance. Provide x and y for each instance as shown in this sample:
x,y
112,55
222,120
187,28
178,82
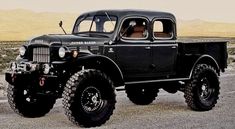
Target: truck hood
x,y
68,40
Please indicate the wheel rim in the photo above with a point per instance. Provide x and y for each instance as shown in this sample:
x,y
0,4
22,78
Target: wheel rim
x,y
27,96
91,99
205,90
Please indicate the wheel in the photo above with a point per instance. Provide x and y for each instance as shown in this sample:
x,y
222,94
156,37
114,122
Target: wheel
x,y
89,98
202,92
24,103
141,95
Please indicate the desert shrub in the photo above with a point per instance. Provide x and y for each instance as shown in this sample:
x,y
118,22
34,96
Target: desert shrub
x,y
231,60
231,51
8,52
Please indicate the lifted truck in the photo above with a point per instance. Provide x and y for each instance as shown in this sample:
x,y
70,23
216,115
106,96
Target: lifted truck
x,y
109,49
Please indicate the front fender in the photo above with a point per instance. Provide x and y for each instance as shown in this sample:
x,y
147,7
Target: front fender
x,y
104,64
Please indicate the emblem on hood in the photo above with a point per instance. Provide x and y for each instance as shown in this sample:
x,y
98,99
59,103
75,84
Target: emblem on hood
x,y
83,42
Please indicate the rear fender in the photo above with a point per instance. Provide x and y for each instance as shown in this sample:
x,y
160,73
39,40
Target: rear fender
x,y
206,59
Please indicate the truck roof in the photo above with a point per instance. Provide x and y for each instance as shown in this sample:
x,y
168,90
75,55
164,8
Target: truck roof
x,y
127,12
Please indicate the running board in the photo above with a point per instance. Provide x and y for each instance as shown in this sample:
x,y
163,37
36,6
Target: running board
x,y
153,81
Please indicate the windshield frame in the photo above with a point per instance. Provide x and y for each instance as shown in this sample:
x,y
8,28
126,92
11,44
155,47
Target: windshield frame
x,y
84,17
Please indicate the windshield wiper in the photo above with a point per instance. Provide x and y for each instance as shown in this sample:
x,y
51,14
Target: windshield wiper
x,y
109,18
92,23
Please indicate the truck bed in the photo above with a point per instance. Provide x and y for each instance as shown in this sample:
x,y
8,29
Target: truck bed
x,y
196,47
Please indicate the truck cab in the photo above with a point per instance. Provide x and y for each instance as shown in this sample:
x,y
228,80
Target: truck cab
x,y
146,47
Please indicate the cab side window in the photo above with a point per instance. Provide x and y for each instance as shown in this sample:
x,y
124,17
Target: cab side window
x,y
163,29
134,28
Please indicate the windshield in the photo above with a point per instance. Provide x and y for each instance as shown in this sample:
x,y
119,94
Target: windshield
x,y
97,23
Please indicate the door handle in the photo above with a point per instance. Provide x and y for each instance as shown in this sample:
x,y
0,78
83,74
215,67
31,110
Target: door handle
x,y
148,48
173,47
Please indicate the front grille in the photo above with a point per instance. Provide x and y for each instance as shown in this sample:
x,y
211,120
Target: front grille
x,y
41,54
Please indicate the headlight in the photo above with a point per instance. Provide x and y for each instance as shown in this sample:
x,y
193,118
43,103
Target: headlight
x,y
62,52
22,50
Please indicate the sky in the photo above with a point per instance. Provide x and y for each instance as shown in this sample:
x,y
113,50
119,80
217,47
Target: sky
x,y
210,10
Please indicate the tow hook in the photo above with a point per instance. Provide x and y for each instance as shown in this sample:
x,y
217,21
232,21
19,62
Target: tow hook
x,y
42,81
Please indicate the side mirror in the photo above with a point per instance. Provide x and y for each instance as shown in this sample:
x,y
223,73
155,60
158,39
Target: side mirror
x,y
132,23
61,24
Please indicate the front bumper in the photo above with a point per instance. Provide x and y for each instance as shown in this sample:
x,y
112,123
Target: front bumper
x,y
27,72
17,78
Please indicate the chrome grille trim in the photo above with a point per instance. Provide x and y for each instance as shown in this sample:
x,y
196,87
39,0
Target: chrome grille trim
x,y
41,54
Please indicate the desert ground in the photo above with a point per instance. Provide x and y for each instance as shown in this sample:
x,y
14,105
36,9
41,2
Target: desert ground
x,y
168,111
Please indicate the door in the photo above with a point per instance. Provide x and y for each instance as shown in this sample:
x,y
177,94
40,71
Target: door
x,y
164,57
164,47
134,59
133,51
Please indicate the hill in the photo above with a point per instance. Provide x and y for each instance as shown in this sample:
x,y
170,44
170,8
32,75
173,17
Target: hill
x,y
24,24
204,28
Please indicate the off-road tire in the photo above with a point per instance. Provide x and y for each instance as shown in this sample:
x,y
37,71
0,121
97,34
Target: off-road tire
x,y
202,92
82,84
141,95
17,100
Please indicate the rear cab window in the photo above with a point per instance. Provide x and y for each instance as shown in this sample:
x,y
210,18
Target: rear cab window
x,y
163,29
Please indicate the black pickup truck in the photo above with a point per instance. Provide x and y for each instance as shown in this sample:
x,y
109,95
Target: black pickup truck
x,y
108,49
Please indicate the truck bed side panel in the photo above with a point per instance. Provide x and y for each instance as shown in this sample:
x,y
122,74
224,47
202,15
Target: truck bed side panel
x,y
190,52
